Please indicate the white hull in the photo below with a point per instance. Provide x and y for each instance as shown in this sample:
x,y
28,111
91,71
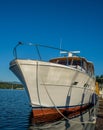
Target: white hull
x,y
54,85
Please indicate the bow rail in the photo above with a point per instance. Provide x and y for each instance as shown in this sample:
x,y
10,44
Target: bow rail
x,y
37,46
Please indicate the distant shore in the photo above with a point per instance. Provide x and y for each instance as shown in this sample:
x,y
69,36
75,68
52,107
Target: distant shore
x,y
10,85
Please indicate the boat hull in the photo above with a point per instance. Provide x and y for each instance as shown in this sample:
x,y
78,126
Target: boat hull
x,y
45,115
54,86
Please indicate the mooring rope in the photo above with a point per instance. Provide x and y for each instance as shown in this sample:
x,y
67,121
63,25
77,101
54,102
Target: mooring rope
x,y
85,122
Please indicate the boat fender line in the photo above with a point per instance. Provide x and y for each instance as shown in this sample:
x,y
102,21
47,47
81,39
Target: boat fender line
x,y
92,121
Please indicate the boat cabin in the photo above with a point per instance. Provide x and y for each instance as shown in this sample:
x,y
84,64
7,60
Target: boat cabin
x,y
76,62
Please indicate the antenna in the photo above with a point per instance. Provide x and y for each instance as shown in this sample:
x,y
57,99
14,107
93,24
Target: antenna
x,y
60,45
73,52
70,53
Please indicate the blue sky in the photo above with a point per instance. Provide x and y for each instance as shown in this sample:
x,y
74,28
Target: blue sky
x,y
79,23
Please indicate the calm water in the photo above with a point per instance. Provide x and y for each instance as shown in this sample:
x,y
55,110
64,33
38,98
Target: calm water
x,y
15,114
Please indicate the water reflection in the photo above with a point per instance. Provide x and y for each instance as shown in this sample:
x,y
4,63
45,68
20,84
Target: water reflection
x,y
85,121
15,115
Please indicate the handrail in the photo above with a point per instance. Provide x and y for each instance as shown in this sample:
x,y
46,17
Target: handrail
x,y
36,45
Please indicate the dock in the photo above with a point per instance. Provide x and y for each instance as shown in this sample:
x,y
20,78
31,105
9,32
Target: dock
x,y
99,123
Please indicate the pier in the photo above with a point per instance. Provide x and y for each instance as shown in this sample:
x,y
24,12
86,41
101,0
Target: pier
x,y
99,124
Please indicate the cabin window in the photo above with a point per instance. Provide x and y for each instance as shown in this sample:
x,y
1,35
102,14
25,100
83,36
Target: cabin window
x,y
63,62
77,62
90,69
70,62
85,65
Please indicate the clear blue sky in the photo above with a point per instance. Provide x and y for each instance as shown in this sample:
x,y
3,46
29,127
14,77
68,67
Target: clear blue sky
x,y
79,23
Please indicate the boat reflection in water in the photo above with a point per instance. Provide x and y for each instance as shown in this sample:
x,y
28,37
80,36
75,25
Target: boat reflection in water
x,y
85,121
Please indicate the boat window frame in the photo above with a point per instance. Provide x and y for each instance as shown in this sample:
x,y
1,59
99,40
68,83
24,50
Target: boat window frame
x,y
75,62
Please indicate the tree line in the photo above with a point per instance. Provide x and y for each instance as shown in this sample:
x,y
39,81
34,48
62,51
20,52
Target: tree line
x,y
10,85
99,79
